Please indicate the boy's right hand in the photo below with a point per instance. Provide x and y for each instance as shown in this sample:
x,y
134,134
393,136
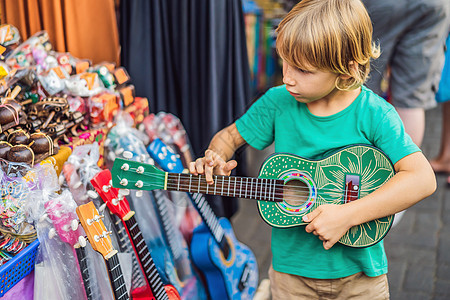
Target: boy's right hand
x,y
211,164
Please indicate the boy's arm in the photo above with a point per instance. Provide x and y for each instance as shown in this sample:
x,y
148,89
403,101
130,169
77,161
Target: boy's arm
x,y
220,150
414,181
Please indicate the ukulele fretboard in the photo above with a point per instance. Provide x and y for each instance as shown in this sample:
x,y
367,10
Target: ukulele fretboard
x,y
137,280
169,229
82,262
146,260
243,187
116,278
208,216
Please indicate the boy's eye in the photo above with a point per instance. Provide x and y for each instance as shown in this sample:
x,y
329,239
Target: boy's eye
x,y
303,71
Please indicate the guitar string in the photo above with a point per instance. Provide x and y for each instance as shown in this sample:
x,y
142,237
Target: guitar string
x,y
155,282
295,198
225,180
298,198
195,180
291,198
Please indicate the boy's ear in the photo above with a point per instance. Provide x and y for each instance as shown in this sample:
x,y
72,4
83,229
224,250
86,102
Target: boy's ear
x,y
353,68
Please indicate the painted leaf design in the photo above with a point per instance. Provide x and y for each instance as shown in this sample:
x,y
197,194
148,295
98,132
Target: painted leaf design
x,y
333,173
351,161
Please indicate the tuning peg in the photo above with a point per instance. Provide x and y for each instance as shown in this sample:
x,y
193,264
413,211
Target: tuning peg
x,y
91,194
102,207
43,218
77,185
103,235
123,192
61,179
140,170
111,156
171,166
51,233
115,201
106,188
82,241
143,158
125,167
127,154
106,142
141,127
139,194
74,224
124,182
119,151
139,184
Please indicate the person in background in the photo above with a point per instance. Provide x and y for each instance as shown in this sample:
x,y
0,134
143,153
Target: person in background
x,y
323,106
412,36
441,164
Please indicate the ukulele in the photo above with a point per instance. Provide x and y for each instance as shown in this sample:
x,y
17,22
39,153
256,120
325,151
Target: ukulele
x,y
177,264
99,238
118,205
288,187
169,128
65,222
230,267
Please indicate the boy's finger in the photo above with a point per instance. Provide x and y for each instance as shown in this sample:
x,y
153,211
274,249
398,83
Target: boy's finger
x,y
208,174
327,245
199,165
311,216
192,169
209,158
310,228
230,165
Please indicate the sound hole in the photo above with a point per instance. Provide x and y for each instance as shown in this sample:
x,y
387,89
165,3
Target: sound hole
x,y
295,192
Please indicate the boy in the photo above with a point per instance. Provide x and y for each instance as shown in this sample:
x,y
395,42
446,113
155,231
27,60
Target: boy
x,y
326,49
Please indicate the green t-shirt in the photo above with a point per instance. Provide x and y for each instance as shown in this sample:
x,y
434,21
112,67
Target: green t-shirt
x,y
277,117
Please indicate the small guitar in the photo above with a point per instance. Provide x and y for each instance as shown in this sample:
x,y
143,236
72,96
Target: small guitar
x,y
230,267
288,186
176,261
118,205
169,128
101,242
65,222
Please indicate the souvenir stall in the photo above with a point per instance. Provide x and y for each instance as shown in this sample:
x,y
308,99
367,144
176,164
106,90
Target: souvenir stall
x,y
88,210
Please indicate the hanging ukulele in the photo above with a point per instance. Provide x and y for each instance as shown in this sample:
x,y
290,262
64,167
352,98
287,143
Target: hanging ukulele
x,y
65,221
288,186
229,266
101,242
178,267
119,206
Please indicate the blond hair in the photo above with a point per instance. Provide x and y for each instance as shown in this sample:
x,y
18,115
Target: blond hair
x,y
329,35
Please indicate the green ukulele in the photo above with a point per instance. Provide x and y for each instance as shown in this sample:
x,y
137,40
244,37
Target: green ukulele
x,y
288,186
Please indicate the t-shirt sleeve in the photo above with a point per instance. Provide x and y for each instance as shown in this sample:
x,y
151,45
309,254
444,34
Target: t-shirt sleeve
x,y
257,125
391,138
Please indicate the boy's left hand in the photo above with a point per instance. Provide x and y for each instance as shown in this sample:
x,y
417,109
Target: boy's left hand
x,y
329,222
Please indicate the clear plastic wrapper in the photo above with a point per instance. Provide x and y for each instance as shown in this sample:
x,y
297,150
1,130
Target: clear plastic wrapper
x,y
124,141
16,186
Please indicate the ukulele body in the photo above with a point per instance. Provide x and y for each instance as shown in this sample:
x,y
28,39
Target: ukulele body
x,y
235,277
347,175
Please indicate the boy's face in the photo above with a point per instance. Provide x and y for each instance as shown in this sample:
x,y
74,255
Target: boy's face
x,y
309,85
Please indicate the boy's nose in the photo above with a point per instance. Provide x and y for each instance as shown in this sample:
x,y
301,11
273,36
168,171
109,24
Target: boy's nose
x,y
287,78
